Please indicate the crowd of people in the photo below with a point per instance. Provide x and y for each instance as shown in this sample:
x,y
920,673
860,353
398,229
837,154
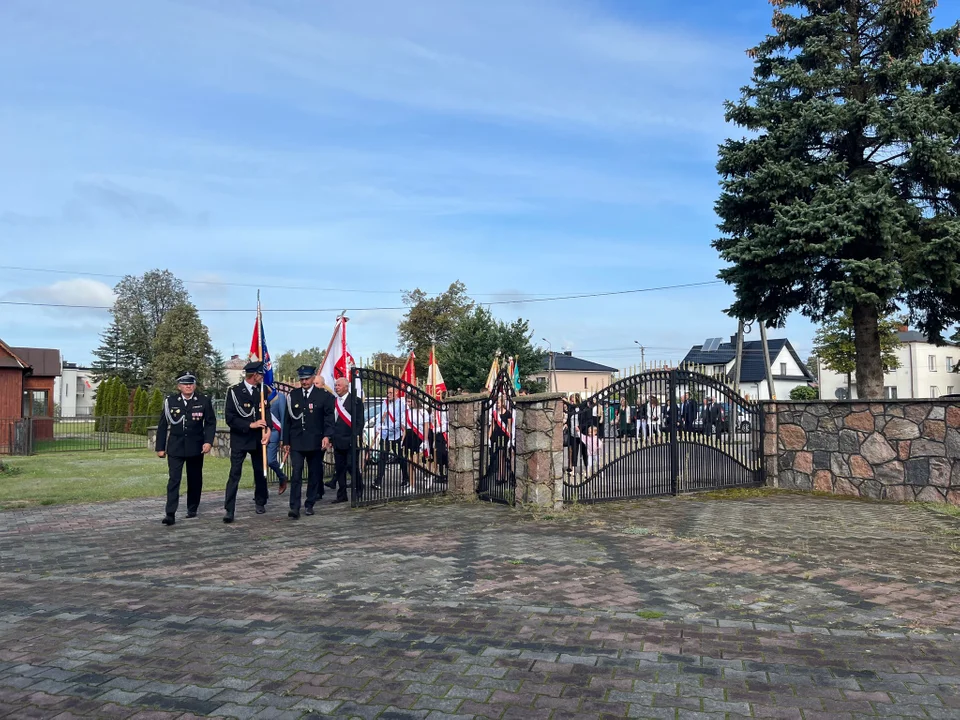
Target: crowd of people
x,y
588,425
303,425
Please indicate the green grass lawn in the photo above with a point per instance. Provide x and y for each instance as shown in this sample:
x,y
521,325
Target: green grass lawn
x,y
57,478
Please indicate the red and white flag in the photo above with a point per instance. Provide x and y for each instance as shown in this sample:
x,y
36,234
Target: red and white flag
x,y
338,362
409,374
435,381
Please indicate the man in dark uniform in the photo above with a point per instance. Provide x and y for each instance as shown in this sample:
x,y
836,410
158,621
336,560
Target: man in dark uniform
x,y
306,434
344,421
248,432
191,422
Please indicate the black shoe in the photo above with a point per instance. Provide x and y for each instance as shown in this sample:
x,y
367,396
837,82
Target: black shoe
x,y
228,518
261,509
295,515
191,513
308,511
339,500
377,486
332,484
169,520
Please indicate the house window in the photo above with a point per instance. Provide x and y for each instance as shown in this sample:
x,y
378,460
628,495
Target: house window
x,y
584,383
890,392
783,369
35,403
932,363
949,389
950,365
934,391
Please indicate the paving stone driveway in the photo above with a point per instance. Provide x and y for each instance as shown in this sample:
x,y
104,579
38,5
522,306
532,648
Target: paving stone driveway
x,y
778,607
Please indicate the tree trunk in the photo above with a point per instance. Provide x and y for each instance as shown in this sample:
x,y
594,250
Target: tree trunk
x,y
866,329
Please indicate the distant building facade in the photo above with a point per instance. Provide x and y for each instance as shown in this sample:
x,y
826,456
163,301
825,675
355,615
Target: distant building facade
x,y
926,371
787,368
575,375
76,391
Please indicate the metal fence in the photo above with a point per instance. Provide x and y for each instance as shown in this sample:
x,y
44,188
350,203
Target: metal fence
x,y
26,436
497,480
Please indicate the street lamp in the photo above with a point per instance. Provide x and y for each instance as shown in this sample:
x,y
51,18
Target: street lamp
x,y
643,362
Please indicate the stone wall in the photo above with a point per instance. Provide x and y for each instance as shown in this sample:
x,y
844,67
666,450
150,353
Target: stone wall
x,y
540,449
464,448
892,450
221,442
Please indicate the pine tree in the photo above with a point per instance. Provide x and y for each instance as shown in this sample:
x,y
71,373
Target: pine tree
x,y
218,382
140,412
102,404
121,406
846,193
114,358
155,406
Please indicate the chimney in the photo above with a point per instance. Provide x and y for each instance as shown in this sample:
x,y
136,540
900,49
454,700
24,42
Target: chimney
x,y
904,328
568,353
733,340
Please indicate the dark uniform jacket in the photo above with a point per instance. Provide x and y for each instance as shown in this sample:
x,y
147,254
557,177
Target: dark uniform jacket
x,y
309,419
243,408
688,413
342,435
191,424
712,415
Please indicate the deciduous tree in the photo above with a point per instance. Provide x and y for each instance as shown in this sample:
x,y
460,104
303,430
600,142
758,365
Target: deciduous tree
x,y
431,320
182,343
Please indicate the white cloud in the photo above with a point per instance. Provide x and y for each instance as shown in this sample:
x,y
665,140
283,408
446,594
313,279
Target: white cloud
x,y
79,291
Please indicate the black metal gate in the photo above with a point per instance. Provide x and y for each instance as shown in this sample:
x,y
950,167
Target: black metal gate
x,y
498,451
401,446
662,432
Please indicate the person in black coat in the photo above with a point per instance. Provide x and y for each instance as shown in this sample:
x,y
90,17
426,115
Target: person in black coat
x,y
688,412
344,420
189,419
306,434
248,432
711,418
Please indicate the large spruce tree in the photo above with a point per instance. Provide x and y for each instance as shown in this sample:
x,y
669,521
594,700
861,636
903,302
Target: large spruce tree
x,y
844,195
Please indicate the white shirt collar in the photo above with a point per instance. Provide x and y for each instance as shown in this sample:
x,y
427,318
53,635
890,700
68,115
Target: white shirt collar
x,y
250,387
187,399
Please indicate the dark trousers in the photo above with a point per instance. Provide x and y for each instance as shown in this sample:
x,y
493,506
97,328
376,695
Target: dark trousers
x,y
314,461
260,492
441,453
391,447
194,482
342,462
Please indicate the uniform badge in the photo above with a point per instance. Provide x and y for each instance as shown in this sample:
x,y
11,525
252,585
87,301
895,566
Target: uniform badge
x,y
246,405
311,406
296,405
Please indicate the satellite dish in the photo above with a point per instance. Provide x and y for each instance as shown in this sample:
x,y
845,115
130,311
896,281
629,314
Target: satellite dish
x,y
841,394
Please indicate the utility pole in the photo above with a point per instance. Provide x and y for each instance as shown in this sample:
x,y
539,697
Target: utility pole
x,y
551,367
766,360
738,363
643,361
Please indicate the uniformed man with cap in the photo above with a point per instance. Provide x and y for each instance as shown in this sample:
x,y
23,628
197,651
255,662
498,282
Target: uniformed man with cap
x,y
248,432
306,434
189,420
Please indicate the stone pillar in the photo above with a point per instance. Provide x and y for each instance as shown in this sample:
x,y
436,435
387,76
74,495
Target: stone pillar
x,y
464,448
540,449
771,449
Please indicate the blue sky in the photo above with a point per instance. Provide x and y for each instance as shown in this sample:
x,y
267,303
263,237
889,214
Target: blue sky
x,y
365,147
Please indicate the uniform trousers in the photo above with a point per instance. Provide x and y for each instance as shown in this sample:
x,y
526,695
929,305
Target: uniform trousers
x,y
194,482
260,492
314,462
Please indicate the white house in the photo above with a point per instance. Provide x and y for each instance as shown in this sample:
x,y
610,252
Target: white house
x,y
926,371
76,390
717,358
574,375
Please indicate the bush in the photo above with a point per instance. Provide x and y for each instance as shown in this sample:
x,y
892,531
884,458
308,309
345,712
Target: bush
x,y
140,410
804,392
155,406
103,403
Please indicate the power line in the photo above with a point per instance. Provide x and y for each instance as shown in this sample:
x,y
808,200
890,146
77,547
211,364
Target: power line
x,y
535,297
340,308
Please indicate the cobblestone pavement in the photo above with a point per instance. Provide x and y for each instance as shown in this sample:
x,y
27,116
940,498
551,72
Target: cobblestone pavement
x,y
776,607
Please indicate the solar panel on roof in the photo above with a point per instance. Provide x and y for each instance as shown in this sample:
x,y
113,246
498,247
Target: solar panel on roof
x,y
712,344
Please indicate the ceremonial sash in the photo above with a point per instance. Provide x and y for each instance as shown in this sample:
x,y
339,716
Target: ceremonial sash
x,y
390,415
417,430
342,412
496,416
